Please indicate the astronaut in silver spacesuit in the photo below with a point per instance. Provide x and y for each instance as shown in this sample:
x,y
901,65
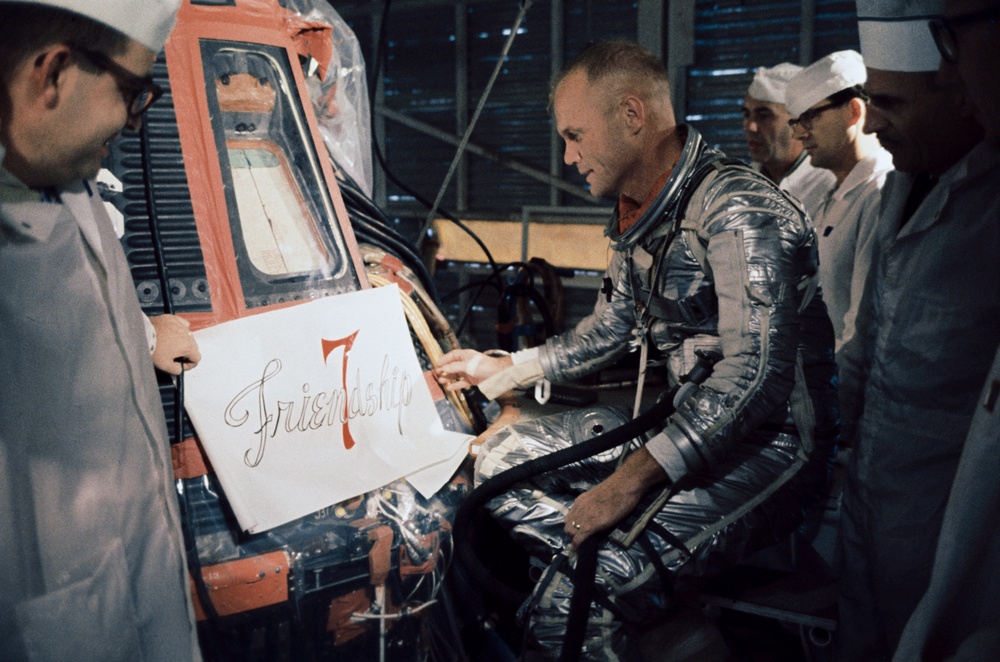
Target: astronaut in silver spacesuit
x,y
708,254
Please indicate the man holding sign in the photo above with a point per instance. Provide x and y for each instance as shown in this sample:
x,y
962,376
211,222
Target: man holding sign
x,y
92,558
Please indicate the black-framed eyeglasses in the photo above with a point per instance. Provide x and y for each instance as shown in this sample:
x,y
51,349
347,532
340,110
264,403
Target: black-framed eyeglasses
x,y
807,117
138,92
943,30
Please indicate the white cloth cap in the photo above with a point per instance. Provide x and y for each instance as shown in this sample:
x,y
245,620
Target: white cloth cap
x,y
895,36
148,22
829,75
769,84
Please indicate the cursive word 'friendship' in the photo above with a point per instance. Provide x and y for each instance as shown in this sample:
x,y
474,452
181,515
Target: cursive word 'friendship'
x,y
316,408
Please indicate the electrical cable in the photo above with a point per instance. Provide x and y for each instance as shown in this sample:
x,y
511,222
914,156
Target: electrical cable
x,y
366,216
430,344
454,635
472,303
380,157
187,528
506,308
367,219
525,6
372,234
481,282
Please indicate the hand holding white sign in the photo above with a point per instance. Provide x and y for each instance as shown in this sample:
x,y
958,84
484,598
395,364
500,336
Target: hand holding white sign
x,y
304,407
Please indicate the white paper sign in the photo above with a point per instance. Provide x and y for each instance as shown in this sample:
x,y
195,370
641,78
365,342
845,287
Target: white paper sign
x,y
301,408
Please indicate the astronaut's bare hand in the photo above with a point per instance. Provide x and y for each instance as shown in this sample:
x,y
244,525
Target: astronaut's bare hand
x,y
175,346
461,368
611,500
598,509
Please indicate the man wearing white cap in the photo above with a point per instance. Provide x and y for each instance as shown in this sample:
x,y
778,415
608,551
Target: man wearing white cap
x,y
959,615
92,560
926,328
968,39
828,112
775,153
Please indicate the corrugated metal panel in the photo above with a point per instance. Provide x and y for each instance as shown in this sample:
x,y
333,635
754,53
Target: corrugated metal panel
x,y
732,37
714,97
836,27
732,33
181,246
172,201
592,20
419,77
514,121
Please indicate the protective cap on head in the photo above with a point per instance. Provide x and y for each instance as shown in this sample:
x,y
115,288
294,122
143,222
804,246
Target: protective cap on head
x,y
148,22
769,83
894,34
829,75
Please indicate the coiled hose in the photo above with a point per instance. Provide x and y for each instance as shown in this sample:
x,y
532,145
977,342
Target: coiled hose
x,y
587,553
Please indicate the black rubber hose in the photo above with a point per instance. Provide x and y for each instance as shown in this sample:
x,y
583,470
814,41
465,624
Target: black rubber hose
x,y
472,304
583,595
586,568
385,239
468,286
507,310
366,214
187,519
503,481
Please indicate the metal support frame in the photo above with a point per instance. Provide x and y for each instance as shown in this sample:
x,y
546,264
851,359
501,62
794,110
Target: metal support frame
x,y
665,28
462,100
649,31
434,132
680,51
806,31
557,46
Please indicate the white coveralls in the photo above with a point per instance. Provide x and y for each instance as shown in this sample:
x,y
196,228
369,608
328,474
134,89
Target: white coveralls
x,y
959,616
92,557
847,224
926,331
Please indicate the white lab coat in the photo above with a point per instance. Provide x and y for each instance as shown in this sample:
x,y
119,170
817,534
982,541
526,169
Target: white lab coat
x,y
92,557
959,616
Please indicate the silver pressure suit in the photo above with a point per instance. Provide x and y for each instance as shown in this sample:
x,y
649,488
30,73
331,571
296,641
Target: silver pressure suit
x,y
722,260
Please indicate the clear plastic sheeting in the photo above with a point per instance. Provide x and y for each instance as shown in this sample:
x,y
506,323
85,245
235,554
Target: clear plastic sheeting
x,y
339,93
329,539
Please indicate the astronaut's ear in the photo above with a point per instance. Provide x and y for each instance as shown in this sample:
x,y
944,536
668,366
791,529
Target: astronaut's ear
x,y
635,112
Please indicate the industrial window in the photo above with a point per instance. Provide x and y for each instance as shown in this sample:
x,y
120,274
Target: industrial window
x,y
280,212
